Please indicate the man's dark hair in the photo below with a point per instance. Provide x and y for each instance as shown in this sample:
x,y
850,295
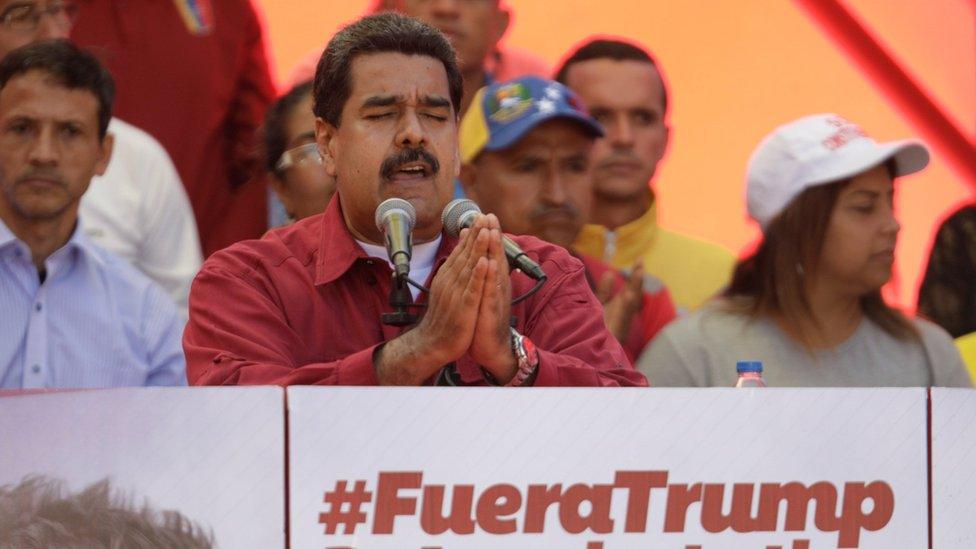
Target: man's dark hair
x,y
611,49
384,32
275,136
69,66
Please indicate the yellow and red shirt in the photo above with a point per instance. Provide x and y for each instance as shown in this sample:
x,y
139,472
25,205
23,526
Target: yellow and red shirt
x,y
693,270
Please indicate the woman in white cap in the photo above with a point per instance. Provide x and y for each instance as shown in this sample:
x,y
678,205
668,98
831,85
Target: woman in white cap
x,y
808,302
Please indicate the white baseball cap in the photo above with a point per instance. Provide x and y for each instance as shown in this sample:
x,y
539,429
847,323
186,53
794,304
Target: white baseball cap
x,y
817,150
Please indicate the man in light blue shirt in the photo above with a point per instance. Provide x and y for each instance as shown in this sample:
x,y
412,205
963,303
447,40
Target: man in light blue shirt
x,y
71,314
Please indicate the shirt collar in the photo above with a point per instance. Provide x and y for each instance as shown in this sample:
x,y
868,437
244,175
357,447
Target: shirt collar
x,y
78,241
422,256
338,250
643,229
638,235
6,235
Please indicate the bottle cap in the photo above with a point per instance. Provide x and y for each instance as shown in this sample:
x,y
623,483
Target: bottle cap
x,y
748,366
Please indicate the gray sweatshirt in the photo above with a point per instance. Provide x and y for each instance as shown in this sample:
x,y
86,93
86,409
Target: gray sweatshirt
x,y
700,350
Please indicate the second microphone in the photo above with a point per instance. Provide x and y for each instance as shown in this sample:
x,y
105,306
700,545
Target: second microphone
x,y
461,213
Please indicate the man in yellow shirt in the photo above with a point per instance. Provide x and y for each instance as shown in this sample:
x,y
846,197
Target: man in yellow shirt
x,y
624,91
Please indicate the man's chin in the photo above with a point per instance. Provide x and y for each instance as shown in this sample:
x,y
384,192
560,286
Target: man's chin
x,y
561,235
620,189
422,198
40,210
428,224
428,231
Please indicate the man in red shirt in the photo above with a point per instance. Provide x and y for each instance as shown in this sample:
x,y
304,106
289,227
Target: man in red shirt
x,y
194,74
526,151
302,305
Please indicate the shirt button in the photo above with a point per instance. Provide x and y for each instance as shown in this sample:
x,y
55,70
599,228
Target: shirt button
x,y
38,307
36,368
369,261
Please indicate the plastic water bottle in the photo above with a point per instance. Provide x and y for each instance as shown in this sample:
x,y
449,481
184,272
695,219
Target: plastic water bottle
x,y
750,374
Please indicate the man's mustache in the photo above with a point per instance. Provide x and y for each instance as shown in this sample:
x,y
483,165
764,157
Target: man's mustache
x,y
544,211
46,175
391,164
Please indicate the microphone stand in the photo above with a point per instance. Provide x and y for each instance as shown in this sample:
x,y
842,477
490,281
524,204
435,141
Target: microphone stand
x,y
400,300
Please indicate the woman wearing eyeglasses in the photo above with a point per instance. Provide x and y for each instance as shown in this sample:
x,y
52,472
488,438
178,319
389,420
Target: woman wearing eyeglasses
x,y
808,302
292,158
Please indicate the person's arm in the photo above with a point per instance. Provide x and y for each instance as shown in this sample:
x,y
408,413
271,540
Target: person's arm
x,y
948,369
162,326
952,371
664,365
575,347
170,250
622,297
238,335
253,93
657,312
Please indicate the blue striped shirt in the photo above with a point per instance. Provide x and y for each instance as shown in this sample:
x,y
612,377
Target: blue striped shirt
x,y
94,322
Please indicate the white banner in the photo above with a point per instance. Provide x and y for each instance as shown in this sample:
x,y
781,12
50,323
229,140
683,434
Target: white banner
x,y
954,468
594,469
214,455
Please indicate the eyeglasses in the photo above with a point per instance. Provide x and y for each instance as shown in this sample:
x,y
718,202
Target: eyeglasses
x,y
299,156
27,16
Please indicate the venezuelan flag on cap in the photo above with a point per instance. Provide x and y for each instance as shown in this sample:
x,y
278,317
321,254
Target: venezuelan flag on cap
x,y
197,15
503,113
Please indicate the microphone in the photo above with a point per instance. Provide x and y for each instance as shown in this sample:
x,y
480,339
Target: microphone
x,y
395,218
461,213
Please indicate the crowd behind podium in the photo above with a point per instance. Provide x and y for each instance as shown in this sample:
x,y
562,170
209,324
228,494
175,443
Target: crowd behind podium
x,y
167,217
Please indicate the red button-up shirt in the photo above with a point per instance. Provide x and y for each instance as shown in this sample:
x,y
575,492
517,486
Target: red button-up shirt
x,y
302,306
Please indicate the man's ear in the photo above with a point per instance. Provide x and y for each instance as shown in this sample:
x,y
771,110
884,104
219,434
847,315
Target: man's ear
x,y
503,18
667,142
104,154
325,134
469,180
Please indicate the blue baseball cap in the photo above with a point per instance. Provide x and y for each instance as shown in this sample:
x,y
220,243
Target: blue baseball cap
x,y
503,113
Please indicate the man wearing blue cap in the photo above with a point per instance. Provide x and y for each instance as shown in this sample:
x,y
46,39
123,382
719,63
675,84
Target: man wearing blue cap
x,y
525,153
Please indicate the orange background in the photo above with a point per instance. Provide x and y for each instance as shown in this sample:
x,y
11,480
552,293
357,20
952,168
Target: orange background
x,y
736,70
